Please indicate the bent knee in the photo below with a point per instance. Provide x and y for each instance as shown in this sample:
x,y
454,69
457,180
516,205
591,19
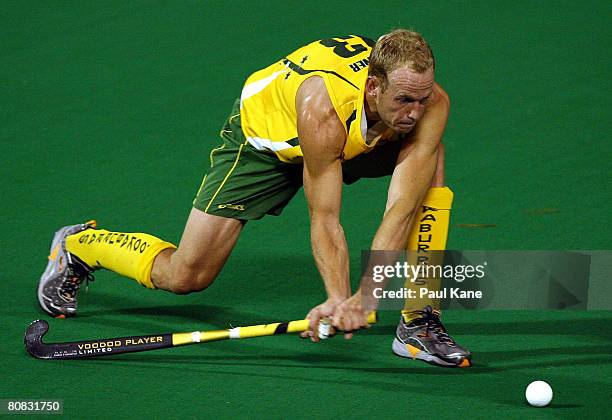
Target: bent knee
x,y
185,281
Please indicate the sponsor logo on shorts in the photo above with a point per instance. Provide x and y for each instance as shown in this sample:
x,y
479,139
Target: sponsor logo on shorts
x,y
239,207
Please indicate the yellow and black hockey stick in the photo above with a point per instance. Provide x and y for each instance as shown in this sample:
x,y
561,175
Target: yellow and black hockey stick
x,y
109,346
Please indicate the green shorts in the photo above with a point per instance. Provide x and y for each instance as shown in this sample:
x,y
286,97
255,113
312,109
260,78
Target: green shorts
x,y
246,184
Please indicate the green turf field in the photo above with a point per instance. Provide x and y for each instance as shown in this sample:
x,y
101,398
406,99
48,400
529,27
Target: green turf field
x,y
109,111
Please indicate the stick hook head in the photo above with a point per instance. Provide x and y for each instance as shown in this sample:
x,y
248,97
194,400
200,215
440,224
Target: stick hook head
x,y
34,334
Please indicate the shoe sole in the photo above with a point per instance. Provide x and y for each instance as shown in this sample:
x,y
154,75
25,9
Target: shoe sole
x,y
411,352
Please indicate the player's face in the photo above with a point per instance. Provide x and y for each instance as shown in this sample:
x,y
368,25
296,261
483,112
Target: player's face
x,y
403,101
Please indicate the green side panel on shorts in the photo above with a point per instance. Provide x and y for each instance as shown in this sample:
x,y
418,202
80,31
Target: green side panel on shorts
x,y
244,183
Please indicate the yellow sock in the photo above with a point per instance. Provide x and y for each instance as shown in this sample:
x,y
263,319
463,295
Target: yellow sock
x,y
429,233
128,254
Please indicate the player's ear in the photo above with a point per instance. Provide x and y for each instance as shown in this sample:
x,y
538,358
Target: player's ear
x,y
372,85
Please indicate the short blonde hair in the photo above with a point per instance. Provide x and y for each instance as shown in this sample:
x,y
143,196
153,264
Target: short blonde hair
x,y
400,48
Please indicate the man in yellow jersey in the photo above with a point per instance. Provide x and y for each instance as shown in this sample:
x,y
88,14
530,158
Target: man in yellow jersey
x,y
330,112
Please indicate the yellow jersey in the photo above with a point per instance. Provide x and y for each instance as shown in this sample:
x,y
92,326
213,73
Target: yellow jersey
x,y
267,103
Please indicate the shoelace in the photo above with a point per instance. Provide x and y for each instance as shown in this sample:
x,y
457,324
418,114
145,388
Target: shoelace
x,y
73,283
431,319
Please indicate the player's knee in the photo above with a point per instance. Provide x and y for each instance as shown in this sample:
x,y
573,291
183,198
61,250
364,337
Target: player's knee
x,y
187,280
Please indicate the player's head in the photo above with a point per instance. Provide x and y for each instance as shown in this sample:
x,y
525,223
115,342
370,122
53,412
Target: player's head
x,y
400,78
400,48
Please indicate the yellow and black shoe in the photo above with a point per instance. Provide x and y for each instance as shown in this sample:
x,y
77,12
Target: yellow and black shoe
x,y
59,284
425,338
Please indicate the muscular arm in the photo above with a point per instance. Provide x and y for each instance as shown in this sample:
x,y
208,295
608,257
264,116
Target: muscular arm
x,y
413,175
322,138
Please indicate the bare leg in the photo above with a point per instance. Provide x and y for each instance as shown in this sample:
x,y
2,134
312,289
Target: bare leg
x,y
204,248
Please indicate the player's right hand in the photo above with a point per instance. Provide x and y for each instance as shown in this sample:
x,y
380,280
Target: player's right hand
x,y
324,310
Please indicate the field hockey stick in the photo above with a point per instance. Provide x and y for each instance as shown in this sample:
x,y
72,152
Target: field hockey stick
x,y
34,344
